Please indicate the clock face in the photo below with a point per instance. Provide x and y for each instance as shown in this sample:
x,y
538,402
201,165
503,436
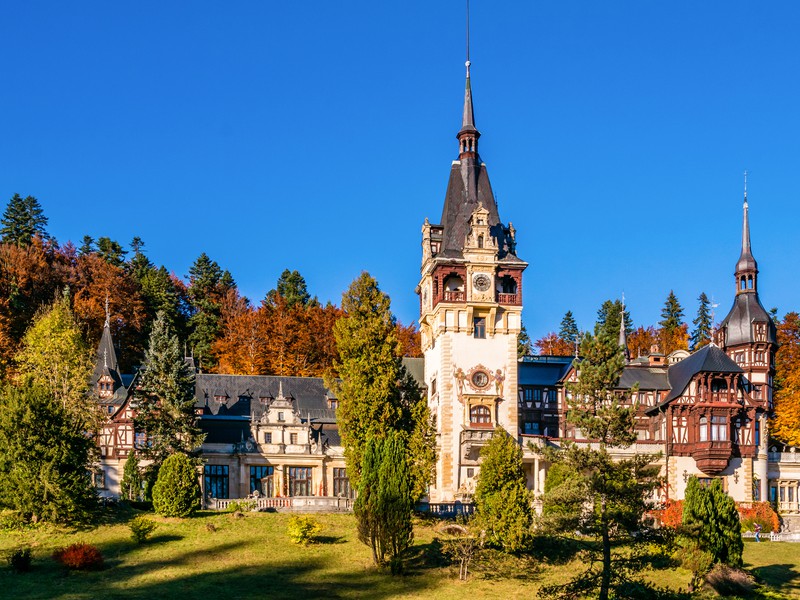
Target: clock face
x,y
480,379
481,282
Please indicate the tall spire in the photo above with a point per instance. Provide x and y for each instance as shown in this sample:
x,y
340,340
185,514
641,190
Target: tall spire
x,y
468,135
623,334
746,266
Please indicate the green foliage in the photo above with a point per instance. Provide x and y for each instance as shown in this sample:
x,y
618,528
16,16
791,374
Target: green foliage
x,y
671,314
608,318
177,490
710,517
524,345
22,220
303,529
55,357
599,496
141,527
376,394
292,288
111,251
384,504
130,488
701,335
569,331
502,499
80,557
44,458
20,560
165,397
241,506
208,284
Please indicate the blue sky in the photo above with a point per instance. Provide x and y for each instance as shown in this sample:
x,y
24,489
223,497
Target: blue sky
x,y
318,136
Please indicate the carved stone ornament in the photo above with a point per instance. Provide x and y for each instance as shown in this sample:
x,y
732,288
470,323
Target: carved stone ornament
x,y
479,378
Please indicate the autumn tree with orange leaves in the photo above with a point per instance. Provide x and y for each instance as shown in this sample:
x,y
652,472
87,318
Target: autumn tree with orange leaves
x,y
786,419
553,345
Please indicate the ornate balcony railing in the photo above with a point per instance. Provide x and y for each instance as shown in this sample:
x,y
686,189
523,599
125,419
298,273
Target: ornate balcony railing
x,y
507,298
454,296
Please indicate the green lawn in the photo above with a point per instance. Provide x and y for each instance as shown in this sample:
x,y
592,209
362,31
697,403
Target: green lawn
x,y
218,556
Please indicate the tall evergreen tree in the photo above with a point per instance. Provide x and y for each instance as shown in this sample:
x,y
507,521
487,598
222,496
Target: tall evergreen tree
x,y
292,288
130,488
608,318
569,331
618,490
111,251
524,346
502,499
44,458
702,323
87,246
376,393
208,284
710,517
22,220
165,397
673,332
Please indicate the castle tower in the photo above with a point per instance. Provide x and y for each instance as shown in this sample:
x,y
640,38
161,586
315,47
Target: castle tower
x,y
748,335
470,317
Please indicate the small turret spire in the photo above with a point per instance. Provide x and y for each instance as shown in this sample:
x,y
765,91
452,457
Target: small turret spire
x,y
108,313
746,266
623,334
468,135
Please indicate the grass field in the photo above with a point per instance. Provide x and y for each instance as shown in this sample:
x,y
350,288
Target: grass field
x,y
216,555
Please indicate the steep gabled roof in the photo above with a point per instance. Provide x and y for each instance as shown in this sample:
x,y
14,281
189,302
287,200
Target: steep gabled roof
x,y
709,359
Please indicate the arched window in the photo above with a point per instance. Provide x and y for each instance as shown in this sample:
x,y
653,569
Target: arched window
x,y
719,385
480,415
743,283
703,429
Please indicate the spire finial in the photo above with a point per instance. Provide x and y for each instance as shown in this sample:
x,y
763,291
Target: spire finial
x,y
108,314
468,135
467,64
745,187
623,333
105,357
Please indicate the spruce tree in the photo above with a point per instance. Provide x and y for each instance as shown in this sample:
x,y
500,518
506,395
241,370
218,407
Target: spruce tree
x,y
292,288
502,499
365,508
608,318
711,519
702,323
569,331
177,490
165,397
87,246
376,393
395,500
618,489
45,455
208,284
22,220
130,488
111,251
524,345
673,331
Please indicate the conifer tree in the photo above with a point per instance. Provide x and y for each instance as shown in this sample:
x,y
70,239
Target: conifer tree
x,y
524,347
87,246
165,397
702,323
673,333
376,393
22,220
208,284
111,251
44,458
569,331
608,318
502,499
618,489
292,288
366,506
55,357
710,517
177,489
130,488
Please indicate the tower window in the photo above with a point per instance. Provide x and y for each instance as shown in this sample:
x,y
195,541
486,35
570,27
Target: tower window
x,y
480,415
479,323
480,241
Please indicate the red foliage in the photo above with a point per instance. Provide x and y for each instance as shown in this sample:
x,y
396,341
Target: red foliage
x,y
83,557
671,515
758,512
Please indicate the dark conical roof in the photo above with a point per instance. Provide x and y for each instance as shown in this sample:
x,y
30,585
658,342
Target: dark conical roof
x,y
106,360
746,260
738,325
468,120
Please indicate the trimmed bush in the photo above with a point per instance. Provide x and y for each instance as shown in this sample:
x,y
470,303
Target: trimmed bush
x,y
177,490
20,560
302,529
80,557
141,527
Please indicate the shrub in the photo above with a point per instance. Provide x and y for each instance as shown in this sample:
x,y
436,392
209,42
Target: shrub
x,y
177,490
726,581
241,506
302,529
141,527
761,513
20,560
81,557
11,521
671,515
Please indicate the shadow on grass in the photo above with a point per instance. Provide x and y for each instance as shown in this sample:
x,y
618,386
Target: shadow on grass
x,y
330,539
781,576
556,550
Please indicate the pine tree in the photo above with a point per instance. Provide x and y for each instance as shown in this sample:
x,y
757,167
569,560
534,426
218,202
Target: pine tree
x,y
22,220
130,488
366,506
524,347
711,519
111,251
44,458
702,323
608,318
87,246
208,284
55,357
376,393
292,288
502,499
177,490
569,331
165,397
619,489
674,335
395,500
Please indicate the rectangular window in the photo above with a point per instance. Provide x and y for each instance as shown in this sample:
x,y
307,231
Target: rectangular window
x,y
293,438
280,417
782,491
261,480
341,484
333,403
703,429
299,483
216,481
719,429
528,394
433,386
471,472
773,493
268,437
531,428
758,432
139,439
537,395
479,323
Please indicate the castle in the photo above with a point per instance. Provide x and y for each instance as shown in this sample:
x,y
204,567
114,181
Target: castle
x,y
277,438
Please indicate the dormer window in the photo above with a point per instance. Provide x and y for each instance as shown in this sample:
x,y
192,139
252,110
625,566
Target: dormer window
x,y
280,417
333,403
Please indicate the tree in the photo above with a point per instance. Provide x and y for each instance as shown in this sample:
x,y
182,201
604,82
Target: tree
x,y
608,318
240,348
502,499
642,341
165,397
376,393
55,357
384,503
674,332
292,288
410,342
606,497
524,346
553,345
44,458
111,251
569,331
177,489
786,420
130,488
711,519
702,323
23,220
208,284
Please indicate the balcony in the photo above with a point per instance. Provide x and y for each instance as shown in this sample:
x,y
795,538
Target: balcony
x,y
454,296
712,457
513,299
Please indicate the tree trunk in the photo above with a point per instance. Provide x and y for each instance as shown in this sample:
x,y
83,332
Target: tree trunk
x,y
605,582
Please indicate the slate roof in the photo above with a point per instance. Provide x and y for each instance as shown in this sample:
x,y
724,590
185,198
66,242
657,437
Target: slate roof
x,y
544,372
746,310
709,359
106,360
648,378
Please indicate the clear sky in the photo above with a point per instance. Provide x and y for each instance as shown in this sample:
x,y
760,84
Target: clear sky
x,y
318,136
